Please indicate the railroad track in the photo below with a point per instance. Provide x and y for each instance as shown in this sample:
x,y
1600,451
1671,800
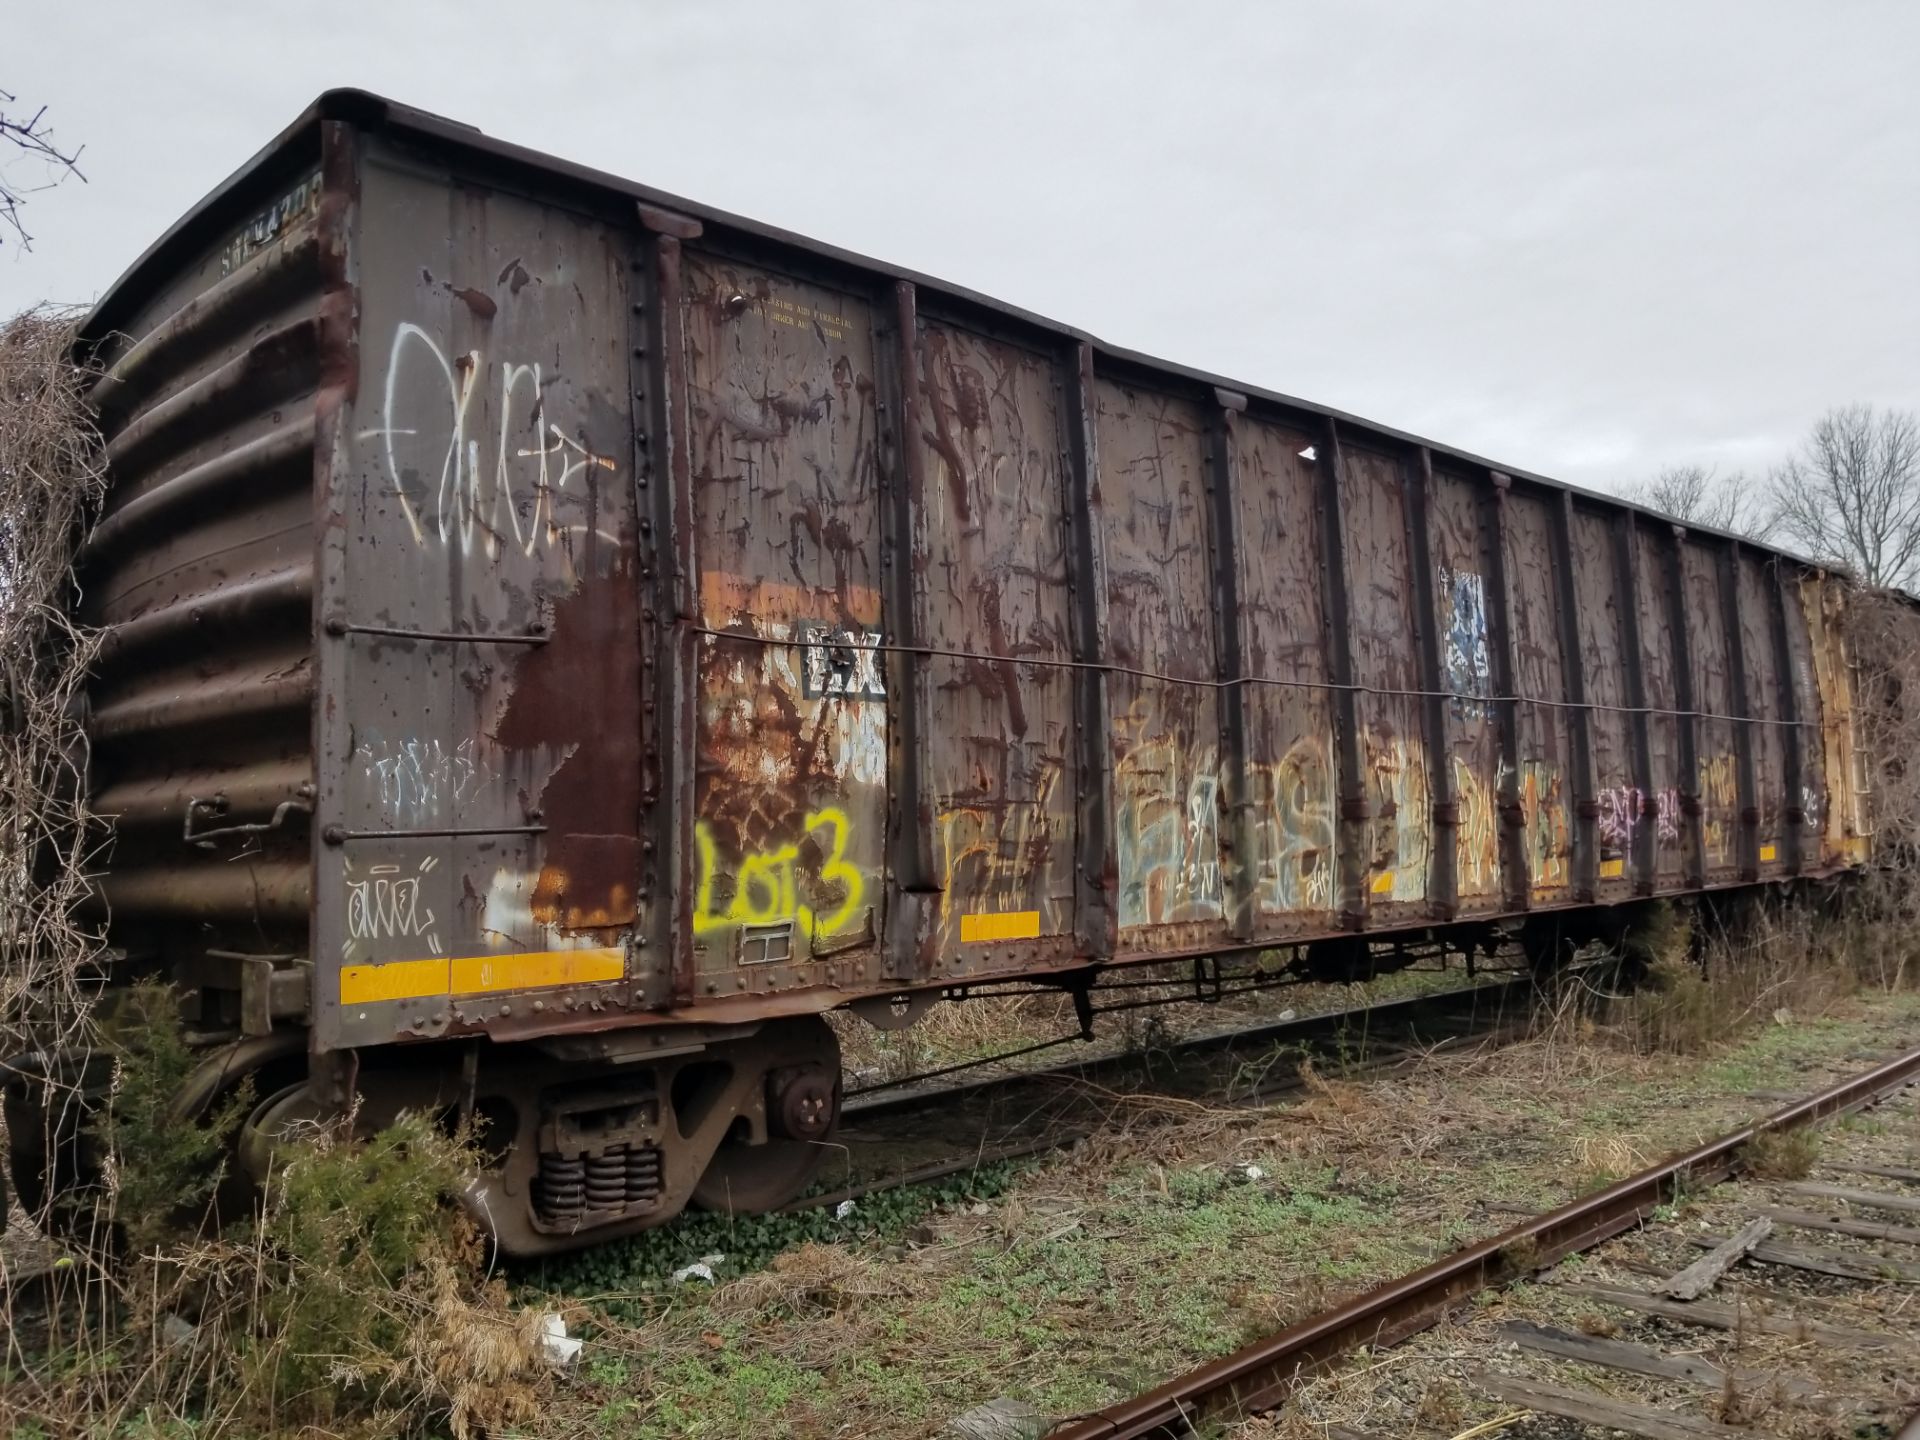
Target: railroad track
x,y
914,1136
1795,1306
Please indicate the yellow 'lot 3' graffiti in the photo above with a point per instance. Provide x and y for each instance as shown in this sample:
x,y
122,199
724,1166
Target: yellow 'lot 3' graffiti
x,y
766,886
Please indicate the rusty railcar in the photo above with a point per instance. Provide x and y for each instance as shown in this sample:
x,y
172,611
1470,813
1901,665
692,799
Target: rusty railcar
x,y
564,639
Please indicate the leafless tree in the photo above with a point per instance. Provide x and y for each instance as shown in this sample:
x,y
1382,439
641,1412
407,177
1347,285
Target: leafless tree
x,y
1699,495
1851,497
26,142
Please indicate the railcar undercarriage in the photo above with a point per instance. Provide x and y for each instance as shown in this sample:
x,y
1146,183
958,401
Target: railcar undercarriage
x,y
590,1137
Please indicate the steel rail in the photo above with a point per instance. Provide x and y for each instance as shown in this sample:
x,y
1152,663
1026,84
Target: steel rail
x,y
1461,1001
1391,1059
1259,1376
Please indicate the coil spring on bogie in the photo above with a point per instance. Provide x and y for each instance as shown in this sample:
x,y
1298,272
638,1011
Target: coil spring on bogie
x,y
643,1173
617,1178
606,1181
560,1190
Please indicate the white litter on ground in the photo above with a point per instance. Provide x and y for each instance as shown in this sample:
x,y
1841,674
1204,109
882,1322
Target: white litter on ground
x,y
553,1340
701,1269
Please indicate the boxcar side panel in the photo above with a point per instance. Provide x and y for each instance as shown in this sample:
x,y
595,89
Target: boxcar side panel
x,y
990,575
1841,823
1617,796
483,627
1716,778
790,759
1166,735
1393,746
1291,779
1658,608
1460,540
1545,748
1764,683
1807,809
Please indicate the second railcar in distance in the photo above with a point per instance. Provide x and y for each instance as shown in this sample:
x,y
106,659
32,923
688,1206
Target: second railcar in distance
x,y
563,640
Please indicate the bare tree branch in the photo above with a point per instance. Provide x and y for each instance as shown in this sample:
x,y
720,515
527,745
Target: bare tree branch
x,y
31,141
1851,497
1700,496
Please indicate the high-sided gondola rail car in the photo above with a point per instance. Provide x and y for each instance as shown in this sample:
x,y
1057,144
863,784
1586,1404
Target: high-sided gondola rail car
x,y
563,639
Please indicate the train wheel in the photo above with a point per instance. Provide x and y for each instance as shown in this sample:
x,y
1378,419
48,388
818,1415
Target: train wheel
x,y
802,1088
262,1066
53,1155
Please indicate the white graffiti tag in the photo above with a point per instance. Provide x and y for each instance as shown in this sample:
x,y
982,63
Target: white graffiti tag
x,y
510,505
385,904
422,780
1623,807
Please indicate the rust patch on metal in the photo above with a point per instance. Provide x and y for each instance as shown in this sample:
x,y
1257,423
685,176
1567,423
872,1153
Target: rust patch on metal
x,y
586,887
514,276
478,301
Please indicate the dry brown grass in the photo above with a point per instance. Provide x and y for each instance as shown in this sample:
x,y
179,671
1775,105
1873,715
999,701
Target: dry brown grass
x,y
1709,978
1602,1159
949,1033
52,476
814,1280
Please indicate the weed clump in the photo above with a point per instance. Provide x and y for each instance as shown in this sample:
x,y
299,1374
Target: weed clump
x,y
353,1301
1675,1013
1704,973
1521,1255
162,1168
376,1291
1782,1154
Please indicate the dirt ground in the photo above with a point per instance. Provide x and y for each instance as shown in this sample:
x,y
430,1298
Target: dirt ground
x,y
1180,1232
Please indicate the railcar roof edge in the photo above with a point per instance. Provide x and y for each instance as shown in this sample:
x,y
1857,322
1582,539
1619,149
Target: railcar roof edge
x,y
205,223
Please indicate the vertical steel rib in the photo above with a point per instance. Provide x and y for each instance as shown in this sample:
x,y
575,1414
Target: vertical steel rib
x,y
1443,878
1516,878
1351,848
1096,866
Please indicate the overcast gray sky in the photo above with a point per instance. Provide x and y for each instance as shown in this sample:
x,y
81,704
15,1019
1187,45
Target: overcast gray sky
x,y
1586,239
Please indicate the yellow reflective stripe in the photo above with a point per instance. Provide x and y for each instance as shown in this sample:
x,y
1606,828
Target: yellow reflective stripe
x,y
1766,853
1001,925
1612,869
1382,883
478,974
396,980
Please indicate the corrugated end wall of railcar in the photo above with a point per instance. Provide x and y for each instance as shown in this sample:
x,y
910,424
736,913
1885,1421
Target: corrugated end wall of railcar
x,y
201,573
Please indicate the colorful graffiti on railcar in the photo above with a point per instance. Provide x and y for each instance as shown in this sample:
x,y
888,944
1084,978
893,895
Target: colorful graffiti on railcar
x,y
990,578
790,765
1166,759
